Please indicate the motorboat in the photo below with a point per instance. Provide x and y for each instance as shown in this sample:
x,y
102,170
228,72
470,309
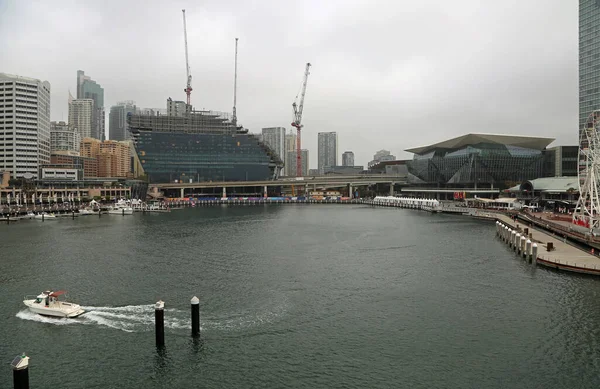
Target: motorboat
x,y
86,211
48,304
121,207
44,216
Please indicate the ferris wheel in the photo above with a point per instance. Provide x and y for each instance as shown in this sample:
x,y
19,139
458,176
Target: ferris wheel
x,y
587,211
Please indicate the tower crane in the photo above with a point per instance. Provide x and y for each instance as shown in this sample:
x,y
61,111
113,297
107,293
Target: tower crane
x,y
298,108
188,88
234,119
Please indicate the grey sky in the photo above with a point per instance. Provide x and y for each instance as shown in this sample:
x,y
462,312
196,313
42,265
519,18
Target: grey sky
x,y
386,74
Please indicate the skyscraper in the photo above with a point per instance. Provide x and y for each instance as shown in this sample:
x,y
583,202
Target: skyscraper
x,y
25,128
589,58
90,89
327,150
275,138
348,158
291,162
118,128
290,145
81,116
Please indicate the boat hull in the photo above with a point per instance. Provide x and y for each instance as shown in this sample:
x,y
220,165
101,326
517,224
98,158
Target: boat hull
x,y
120,211
70,311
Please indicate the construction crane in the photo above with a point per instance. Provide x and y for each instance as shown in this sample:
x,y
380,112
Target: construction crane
x,y
298,122
188,88
234,119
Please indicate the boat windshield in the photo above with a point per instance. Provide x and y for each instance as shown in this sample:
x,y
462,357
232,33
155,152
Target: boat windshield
x,y
38,300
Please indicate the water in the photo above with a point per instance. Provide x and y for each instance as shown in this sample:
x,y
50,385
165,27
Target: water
x,y
294,297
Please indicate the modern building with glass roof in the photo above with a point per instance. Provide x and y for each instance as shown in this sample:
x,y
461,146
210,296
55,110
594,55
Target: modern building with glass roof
x,y
479,161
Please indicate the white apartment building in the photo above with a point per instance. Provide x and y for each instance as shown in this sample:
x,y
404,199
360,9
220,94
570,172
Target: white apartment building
x,y
63,138
81,116
290,145
275,138
24,125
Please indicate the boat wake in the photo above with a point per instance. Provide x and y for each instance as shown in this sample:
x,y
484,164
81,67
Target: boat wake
x,y
140,318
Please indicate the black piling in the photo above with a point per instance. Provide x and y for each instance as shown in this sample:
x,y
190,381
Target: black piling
x,y
195,316
8,219
159,320
123,212
20,368
73,215
42,216
99,213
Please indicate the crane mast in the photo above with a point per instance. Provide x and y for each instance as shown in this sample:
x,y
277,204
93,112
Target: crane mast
x,y
188,88
298,122
234,119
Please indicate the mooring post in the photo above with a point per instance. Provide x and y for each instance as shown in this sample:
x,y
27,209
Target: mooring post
x,y
528,249
159,323
195,316
73,212
512,239
517,242
534,253
123,210
20,368
42,216
8,219
523,240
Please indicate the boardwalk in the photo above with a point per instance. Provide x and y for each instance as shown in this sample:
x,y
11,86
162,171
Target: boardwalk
x,y
564,256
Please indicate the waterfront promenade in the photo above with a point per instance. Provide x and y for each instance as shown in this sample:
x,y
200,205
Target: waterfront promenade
x,y
564,255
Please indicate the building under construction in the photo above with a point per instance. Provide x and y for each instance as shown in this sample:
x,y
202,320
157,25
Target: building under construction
x,y
195,146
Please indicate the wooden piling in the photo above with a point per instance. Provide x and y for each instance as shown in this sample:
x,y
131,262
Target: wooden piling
x,y
159,323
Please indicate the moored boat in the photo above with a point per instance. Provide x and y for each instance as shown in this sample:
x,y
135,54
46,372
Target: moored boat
x,y
44,216
48,304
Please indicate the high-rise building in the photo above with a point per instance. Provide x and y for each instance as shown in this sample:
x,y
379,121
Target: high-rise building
x,y
290,145
327,150
113,157
381,156
63,137
291,162
275,138
25,128
118,129
90,89
348,158
81,116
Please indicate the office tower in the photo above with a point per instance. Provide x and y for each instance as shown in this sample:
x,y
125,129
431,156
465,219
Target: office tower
x,y
589,58
25,128
327,153
348,158
290,145
90,89
63,138
118,129
81,116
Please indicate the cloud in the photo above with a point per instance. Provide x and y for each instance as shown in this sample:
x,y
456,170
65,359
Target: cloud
x,y
386,74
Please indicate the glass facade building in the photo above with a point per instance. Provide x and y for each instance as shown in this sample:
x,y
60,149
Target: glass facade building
x,y
200,147
589,58
480,160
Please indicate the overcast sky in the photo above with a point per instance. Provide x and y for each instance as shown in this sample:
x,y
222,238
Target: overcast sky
x,y
386,74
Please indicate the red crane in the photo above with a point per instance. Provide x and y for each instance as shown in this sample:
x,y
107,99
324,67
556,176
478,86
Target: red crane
x,y
188,88
298,122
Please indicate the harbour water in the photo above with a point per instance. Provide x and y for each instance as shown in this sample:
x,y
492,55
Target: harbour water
x,y
294,296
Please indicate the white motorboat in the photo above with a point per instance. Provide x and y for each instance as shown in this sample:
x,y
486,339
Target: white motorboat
x,y
47,304
86,211
121,207
45,216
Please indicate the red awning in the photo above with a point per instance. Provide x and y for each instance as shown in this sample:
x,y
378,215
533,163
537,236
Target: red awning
x,y
57,293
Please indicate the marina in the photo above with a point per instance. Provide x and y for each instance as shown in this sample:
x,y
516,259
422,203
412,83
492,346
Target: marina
x,y
345,282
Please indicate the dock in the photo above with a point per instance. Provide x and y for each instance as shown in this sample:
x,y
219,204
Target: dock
x,y
563,255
